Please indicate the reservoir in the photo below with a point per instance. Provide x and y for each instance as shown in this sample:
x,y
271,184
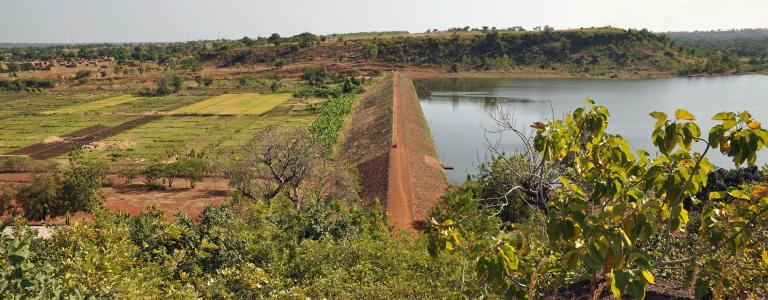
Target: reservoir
x,y
459,110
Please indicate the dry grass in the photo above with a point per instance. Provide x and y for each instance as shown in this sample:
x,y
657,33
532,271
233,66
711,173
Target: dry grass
x,y
234,104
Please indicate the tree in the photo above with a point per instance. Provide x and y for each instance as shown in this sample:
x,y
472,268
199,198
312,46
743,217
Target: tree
x,y
352,85
191,64
81,184
278,160
57,193
169,84
248,41
371,51
275,39
608,202
39,199
204,81
193,167
315,76
306,39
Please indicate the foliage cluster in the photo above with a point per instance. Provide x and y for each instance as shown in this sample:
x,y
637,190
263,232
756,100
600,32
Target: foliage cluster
x,y
26,84
57,193
616,218
327,126
250,251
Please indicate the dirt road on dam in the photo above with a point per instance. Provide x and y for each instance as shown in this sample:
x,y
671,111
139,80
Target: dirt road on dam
x,y
388,141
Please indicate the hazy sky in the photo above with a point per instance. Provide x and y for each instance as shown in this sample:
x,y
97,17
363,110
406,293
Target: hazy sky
x,y
174,20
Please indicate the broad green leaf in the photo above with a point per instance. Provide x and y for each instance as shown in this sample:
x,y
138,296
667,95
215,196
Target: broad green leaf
x,y
660,118
637,289
511,261
739,194
614,289
456,237
683,114
722,116
648,277
432,246
716,195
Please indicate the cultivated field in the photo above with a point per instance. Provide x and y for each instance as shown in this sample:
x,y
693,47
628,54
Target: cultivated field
x,y
234,104
94,105
44,126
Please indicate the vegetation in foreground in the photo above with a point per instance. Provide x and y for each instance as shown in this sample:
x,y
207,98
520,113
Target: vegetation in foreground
x,y
578,207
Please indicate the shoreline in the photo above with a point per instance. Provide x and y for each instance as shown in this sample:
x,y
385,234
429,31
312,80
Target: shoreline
x,y
426,73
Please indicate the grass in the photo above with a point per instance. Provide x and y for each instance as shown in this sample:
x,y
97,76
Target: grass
x,y
151,105
94,105
234,104
25,104
215,124
214,134
21,131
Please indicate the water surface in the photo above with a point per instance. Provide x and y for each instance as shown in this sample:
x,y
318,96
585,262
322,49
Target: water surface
x,y
457,110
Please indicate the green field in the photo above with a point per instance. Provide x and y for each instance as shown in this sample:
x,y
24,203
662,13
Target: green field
x,y
94,105
234,104
24,104
20,131
211,133
208,123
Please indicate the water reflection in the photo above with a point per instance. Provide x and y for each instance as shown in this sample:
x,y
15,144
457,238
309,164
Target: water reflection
x,y
457,109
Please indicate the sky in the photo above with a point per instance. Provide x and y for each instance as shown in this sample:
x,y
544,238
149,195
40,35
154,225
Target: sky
x,y
90,21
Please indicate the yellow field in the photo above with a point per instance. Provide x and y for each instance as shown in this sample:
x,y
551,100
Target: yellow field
x,y
234,104
94,105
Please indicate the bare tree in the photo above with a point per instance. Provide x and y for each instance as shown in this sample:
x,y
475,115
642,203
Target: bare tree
x,y
279,159
528,176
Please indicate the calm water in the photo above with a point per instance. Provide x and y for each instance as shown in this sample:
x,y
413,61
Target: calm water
x,y
458,109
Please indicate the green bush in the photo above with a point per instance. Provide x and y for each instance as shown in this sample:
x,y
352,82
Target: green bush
x,y
316,76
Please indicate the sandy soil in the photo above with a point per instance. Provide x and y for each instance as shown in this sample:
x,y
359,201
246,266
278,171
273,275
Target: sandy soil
x,y
135,197
416,178
400,194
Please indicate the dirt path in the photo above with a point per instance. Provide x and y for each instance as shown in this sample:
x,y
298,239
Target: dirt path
x,y
400,193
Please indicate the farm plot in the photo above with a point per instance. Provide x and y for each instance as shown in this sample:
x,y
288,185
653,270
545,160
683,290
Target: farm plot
x,y
210,133
94,105
65,143
234,104
21,131
298,107
24,104
153,105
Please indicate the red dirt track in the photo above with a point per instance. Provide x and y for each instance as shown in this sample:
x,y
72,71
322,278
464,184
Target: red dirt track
x,y
400,194
389,143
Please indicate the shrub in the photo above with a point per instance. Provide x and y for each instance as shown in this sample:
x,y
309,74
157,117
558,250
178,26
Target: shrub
x,y
322,91
169,84
315,76
83,74
28,84
352,85
15,163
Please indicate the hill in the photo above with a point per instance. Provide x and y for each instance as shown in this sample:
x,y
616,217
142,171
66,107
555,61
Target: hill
x,y
748,44
590,52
